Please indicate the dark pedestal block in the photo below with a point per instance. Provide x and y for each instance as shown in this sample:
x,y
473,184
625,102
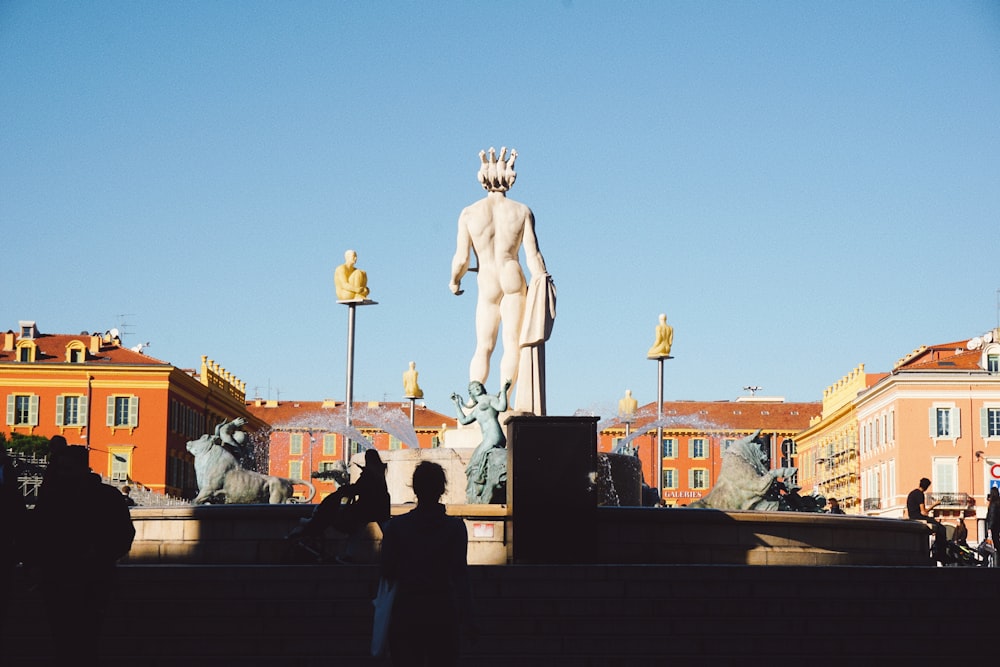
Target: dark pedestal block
x,y
552,488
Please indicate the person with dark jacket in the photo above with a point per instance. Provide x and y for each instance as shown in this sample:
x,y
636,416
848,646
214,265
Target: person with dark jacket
x,y
424,552
79,529
993,517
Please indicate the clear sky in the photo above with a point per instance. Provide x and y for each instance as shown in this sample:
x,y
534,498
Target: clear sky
x,y
800,186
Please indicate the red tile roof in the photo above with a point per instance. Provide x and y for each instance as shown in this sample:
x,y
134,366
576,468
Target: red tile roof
x,y
51,349
946,356
736,416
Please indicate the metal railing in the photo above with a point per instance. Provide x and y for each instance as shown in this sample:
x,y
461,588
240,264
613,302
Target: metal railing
x,y
872,504
949,499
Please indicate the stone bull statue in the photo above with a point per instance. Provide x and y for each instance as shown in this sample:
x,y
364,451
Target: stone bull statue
x,y
221,478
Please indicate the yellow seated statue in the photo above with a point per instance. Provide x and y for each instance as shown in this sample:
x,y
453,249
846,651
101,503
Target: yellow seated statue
x,y
628,405
351,284
410,384
664,340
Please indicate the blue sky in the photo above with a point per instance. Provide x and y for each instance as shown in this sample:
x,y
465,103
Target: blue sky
x,y
800,187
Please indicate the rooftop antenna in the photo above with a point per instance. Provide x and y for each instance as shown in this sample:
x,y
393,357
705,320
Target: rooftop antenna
x,y
123,326
753,389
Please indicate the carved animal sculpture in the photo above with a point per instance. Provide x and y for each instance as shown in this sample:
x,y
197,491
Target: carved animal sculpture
x,y
744,480
220,478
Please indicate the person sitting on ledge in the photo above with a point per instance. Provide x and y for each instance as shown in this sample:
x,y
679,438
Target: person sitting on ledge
x,y
353,506
916,510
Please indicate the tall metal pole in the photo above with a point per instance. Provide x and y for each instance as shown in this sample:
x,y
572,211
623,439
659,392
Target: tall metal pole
x,y
351,307
658,449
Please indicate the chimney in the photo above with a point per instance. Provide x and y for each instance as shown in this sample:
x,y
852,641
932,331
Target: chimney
x,y
8,341
95,344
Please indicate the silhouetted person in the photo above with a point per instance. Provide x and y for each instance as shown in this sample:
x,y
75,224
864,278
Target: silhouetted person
x,y
425,553
835,506
993,517
127,494
352,506
917,510
13,516
80,527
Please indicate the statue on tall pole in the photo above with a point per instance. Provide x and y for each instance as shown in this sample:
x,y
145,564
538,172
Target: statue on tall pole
x,y
495,228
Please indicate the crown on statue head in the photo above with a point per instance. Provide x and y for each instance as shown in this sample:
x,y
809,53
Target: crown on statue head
x,y
496,173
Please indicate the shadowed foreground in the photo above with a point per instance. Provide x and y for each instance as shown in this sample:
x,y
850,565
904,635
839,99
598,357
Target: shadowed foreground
x,y
311,615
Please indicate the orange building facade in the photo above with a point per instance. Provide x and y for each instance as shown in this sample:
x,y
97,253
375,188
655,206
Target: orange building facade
x,y
935,415
697,434
307,438
134,412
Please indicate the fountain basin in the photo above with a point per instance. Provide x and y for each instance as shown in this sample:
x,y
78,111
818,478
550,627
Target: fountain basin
x,y
246,534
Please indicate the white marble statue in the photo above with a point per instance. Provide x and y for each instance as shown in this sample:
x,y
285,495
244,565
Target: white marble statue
x,y
495,228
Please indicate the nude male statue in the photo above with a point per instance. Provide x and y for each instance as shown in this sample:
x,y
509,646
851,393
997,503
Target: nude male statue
x,y
495,228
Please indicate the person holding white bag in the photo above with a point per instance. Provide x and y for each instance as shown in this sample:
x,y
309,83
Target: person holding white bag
x,y
424,558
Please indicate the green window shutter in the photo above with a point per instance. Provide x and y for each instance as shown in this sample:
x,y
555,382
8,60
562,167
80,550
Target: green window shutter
x,y
984,425
932,422
60,413
10,410
956,425
83,411
133,411
111,410
33,411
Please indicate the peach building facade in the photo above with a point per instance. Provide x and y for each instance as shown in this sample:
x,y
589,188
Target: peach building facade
x,y
935,415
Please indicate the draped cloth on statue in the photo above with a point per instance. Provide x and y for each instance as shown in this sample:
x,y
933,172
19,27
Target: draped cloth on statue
x,y
536,327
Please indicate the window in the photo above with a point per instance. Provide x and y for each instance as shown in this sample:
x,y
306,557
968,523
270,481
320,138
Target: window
x,y
22,410
669,448
670,478
697,448
945,422
726,444
989,422
945,475
295,469
121,459
71,410
698,478
329,444
395,443
76,353
327,466
123,411
356,447
993,363
295,444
